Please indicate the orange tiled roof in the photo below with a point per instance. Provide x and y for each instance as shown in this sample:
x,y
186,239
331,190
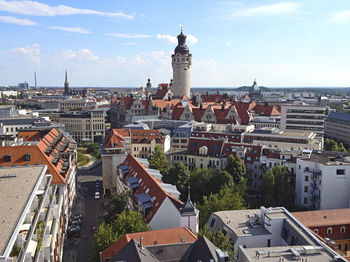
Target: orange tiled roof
x,y
29,135
162,237
115,137
38,155
330,217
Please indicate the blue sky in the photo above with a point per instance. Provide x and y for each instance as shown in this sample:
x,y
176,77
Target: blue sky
x,y
122,43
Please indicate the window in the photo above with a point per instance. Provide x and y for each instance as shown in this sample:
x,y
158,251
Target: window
x,y
212,222
305,200
329,231
346,247
341,172
342,230
7,158
316,231
339,246
224,231
27,157
306,178
269,242
306,188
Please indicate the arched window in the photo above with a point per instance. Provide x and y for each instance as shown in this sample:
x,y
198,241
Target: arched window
x,y
329,231
342,230
316,231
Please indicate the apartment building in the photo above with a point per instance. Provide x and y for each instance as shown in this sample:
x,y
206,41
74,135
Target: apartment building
x,y
11,126
269,234
83,126
303,117
337,127
323,180
284,140
29,215
332,225
55,149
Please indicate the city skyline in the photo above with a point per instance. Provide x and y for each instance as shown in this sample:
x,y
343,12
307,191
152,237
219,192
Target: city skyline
x,y
280,43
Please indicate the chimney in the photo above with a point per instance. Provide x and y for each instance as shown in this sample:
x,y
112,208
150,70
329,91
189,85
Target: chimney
x,y
140,245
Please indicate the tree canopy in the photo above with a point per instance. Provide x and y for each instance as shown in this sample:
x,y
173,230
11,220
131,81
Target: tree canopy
x,y
236,168
116,205
275,189
158,161
226,199
178,175
218,239
331,145
126,222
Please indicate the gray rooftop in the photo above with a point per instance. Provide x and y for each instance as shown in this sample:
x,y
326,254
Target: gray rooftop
x,y
273,254
17,185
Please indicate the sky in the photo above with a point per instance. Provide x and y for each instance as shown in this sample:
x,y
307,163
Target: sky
x,y
114,43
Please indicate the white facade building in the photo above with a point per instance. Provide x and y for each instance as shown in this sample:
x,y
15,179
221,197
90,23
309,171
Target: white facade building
x,y
323,180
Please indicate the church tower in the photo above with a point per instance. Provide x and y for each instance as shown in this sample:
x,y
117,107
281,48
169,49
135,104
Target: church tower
x,y
149,90
181,62
66,85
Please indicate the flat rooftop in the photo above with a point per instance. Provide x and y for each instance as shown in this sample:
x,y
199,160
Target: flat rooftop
x,y
316,254
329,158
17,185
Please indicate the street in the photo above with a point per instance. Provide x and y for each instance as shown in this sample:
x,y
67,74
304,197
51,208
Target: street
x,y
81,249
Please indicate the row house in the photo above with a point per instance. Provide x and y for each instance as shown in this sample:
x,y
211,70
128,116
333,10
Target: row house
x,y
157,201
332,225
120,142
28,214
213,153
323,180
57,150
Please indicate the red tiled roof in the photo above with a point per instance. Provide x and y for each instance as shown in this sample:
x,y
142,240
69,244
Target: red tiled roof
x,y
38,155
330,217
161,237
177,112
136,169
145,136
161,92
29,135
115,137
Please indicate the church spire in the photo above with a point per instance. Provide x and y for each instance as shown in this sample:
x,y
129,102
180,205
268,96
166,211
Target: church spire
x,y
66,84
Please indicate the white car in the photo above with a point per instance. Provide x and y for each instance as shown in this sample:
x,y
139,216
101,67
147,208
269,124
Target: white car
x,y
97,195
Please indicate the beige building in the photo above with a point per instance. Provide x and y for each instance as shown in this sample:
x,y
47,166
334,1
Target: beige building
x,y
337,127
303,118
284,140
83,126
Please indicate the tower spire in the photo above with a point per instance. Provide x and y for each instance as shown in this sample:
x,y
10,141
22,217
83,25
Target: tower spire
x,y
66,84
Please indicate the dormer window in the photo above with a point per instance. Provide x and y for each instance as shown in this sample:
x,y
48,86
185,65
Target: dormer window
x,y
27,157
7,158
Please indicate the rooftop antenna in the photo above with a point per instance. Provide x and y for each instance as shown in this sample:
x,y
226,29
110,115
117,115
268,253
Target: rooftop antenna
x,y
181,27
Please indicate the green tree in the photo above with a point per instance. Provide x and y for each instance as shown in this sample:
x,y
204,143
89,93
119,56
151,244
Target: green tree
x,y
178,175
126,222
341,147
276,190
202,183
104,237
226,199
129,222
218,239
236,168
116,205
158,160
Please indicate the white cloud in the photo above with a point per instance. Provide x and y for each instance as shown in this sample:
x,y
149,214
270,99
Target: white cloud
x,y
272,9
130,36
130,44
82,55
15,20
39,9
168,38
71,29
229,43
191,40
341,17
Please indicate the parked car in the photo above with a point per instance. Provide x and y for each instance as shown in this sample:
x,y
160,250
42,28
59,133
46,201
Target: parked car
x,y
80,216
75,221
97,195
73,231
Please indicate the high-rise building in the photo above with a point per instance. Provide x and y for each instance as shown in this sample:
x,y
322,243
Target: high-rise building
x,y
66,85
181,62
